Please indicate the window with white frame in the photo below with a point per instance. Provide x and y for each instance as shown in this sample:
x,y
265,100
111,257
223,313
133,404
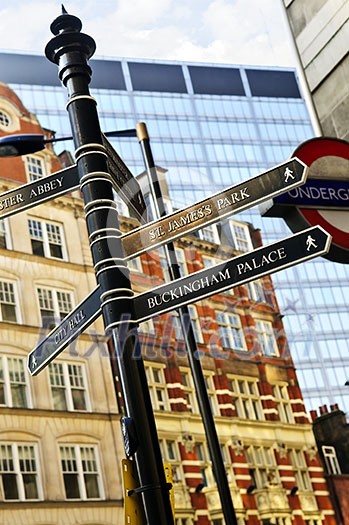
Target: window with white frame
x,y
147,327
247,398
195,323
68,386
35,168
170,453
189,390
81,472
301,471
14,386
157,387
283,403
241,236
204,463
266,338
227,461
5,239
4,119
263,467
331,460
208,262
209,234
19,470
180,255
47,239
211,392
255,291
9,310
230,331
135,264
54,304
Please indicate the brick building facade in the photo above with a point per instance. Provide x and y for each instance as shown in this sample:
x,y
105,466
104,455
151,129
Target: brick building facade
x,y
60,441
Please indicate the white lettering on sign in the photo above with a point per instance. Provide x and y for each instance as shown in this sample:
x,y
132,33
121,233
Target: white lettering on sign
x,y
46,187
11,201
335,194
185,289
234,197
72,323
263,260
181,221
76,320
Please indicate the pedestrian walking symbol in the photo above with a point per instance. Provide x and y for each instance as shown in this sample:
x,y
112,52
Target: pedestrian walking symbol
x,y
310,242
288,174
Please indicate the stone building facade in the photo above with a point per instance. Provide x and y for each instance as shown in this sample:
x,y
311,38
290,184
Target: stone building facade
x,y
320,30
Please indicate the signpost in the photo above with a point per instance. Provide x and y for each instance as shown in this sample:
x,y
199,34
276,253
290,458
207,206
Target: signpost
x,y
38,191
253,265
98,167
70,50
61,182
66,332
191,218
268,259
124,181
324,199
232,200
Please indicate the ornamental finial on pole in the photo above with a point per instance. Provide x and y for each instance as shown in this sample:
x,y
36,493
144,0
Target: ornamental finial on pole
x,y
68,37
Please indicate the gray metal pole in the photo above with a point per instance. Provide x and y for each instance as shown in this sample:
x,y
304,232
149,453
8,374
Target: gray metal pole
x,y
70,50
190,342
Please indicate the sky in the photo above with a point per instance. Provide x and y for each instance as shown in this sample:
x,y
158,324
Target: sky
x,y
250,32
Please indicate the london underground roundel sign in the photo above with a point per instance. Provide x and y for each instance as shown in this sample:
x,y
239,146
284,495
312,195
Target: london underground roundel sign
x,y
324,198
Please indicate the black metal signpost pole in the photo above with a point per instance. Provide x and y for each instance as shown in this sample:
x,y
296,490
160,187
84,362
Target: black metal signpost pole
x,y
70,50
190,342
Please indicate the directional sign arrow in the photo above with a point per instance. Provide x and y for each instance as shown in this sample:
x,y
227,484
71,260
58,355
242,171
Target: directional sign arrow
x,y
65,333
128,186
38,191
63,181
236,271
240,197
268,259
236,198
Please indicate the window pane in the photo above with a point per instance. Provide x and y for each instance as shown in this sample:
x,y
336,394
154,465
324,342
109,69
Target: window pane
x,y
57,386
91,484
89,467
30,486
8,302
9,482
17,382
77,387
71,485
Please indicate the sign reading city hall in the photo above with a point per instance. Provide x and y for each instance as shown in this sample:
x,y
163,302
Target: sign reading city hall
x,y
236,271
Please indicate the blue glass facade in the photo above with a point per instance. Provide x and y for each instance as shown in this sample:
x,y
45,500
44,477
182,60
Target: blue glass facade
x,y
210,127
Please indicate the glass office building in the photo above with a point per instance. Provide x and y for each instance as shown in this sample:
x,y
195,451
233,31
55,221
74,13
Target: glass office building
x,y
212,126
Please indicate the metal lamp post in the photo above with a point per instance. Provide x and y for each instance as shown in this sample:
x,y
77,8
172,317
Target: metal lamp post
x,y
70,50
190,342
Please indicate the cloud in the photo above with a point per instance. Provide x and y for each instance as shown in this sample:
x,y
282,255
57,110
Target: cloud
x,y
226,31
